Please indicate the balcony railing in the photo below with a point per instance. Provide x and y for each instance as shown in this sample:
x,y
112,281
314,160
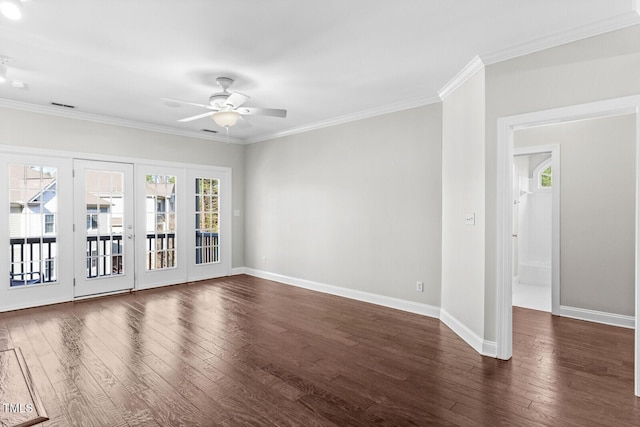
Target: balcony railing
x,y
161,251
104,255
207,248
32,261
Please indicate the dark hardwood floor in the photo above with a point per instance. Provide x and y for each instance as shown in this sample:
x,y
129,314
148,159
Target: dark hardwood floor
x,y
245,351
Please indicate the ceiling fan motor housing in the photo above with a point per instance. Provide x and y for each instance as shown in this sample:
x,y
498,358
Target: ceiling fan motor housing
x,y
217,100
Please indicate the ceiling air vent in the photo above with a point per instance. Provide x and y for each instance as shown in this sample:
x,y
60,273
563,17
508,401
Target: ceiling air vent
x,y
57,104
209,130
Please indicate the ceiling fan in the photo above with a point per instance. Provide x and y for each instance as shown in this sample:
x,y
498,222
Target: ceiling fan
x,y
226,108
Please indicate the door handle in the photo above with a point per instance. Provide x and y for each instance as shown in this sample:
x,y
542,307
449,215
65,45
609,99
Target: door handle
x,y
129,236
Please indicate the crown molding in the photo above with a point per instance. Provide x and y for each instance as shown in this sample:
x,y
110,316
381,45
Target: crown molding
x,y
373,112
95,118
475,65
615,23
624,20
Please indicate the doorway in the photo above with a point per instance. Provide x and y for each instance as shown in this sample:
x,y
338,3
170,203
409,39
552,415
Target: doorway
x,y
505,150
536,228
103,222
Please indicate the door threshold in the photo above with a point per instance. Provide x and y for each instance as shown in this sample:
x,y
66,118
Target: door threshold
x,y
103,294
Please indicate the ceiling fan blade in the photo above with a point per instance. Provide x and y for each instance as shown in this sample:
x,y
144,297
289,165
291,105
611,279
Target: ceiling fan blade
x,y
199,116
243,123
236,99
209,107
273,112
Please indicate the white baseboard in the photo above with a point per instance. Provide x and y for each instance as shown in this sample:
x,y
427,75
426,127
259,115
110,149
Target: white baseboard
x,y
485,348
238,270
39,303
399,304
598,317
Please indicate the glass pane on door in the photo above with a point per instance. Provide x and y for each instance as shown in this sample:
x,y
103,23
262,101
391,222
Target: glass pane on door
x,y
207,217
161,222
33,211
104,204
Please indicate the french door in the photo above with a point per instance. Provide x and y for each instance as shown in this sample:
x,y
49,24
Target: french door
x,y
209,224
103,224
75,228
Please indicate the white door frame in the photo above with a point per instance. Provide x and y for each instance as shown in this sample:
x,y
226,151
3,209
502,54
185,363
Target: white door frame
x,y
555,217
504,268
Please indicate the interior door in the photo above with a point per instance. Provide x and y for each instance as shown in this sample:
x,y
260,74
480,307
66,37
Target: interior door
x,y
103,224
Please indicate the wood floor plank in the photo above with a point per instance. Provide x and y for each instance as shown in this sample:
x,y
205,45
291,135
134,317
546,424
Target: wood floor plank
x,y
242,351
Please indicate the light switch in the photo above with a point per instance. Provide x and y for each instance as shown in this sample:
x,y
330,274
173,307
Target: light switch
x,y
470,219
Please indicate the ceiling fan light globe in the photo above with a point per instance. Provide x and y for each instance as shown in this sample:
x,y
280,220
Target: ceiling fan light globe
x,y
11,9
225,118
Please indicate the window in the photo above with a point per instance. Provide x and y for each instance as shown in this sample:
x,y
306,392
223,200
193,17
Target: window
x,y
543,176
207,221
161,222
33,205
49,223
92,221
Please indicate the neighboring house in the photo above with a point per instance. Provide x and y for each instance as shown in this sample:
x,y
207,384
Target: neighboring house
x,y
33,203
160,208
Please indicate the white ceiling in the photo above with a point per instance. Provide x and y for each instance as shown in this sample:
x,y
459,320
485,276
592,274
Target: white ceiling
x,y
325,61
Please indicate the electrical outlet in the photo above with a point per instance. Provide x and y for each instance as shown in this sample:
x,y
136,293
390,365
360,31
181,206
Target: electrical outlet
x,y
420,286
264,259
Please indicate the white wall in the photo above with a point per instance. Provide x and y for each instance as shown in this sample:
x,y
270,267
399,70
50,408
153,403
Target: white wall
x,y
592,69
597,210
20,128
356,205
463,192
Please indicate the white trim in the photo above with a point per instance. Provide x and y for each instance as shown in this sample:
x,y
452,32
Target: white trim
x,y
475,65
612,319
366,114
505,131
238,270
398,304
623,20
61,154
489,348
95,118
145,286
103,294
485,348
637,266
39,303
